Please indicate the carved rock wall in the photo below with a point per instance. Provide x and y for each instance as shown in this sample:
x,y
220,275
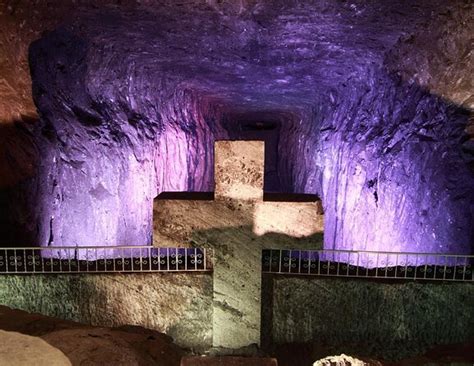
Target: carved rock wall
x,y
384,320
396,150
179,305
393,173
110,143
372,115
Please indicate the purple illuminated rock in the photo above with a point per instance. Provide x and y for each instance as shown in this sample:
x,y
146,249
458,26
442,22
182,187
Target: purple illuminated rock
x,y
132,100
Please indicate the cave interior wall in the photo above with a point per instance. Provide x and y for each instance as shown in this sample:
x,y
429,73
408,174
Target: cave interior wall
x,y
375,123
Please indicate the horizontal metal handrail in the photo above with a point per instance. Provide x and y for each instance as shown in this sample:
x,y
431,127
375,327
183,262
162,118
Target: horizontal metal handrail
x,y
322,262
372,264
104,259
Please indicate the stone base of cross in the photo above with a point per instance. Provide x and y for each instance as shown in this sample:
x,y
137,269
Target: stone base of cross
x,y
237,224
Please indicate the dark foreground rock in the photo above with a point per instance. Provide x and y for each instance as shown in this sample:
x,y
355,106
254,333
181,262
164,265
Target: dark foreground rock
x,y
129,345
228,361
87,345
460,354
19,349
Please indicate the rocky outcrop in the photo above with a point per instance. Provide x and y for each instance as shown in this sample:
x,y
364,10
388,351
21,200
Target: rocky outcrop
x,y
21,350
51,341
127,346
341,360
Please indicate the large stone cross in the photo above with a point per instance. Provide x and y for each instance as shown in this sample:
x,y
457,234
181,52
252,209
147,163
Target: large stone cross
x,y
237,224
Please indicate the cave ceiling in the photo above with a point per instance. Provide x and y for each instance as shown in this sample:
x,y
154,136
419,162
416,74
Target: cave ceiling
x,y
271,55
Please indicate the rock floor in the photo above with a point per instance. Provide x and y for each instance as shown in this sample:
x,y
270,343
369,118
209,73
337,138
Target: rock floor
x,y
131,345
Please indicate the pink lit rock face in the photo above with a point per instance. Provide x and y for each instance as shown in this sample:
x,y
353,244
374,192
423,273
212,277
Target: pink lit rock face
x,y
109,202
130,106
395,179
102,184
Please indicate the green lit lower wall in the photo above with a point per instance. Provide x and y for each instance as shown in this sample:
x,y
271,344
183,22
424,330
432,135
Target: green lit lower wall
x,y
179,305
368,317
356,317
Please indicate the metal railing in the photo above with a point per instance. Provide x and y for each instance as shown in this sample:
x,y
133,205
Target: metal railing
x,y
368,264
334,263
103,259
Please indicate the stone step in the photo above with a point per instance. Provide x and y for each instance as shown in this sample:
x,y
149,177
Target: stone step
x,y
228,361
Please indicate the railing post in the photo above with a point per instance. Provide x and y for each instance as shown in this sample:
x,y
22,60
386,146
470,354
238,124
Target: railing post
x,y
280,260
309,261
149,259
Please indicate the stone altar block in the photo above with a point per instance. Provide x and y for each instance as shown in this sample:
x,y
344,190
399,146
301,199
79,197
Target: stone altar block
x,y
237,224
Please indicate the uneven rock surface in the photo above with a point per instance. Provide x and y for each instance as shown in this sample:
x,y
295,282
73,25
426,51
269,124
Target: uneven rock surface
x,y
101,346
388,321
228,361
443,355
86,345
179,305
367,104
237,225
18,349
361,107
341,360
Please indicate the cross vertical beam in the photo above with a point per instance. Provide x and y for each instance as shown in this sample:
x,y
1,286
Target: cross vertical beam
x,y
237,225
239,170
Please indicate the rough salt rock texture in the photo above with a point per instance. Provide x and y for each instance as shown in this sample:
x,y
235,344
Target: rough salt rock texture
x,y
177,305
341,360
239,170
102,184
237,225
228,229
21,350
371,122
86,345
368,319
228,361
103,346
394,175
